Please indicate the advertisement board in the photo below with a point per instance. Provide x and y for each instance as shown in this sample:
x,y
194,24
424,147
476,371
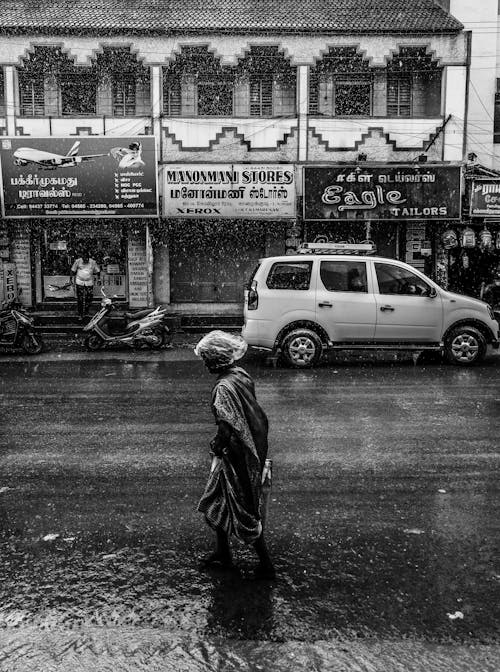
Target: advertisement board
x,y
86,176
384,192
485,198
247,191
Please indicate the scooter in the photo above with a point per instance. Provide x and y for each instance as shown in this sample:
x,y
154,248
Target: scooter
x,y
109,326
17,329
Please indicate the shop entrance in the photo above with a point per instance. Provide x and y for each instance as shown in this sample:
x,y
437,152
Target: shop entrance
x,y
210,261
63,242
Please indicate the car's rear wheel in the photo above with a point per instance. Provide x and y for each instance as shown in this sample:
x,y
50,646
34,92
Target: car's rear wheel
x,y
301,348
465,345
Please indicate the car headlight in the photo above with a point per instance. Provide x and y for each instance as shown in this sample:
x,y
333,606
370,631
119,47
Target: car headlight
x,y
490,312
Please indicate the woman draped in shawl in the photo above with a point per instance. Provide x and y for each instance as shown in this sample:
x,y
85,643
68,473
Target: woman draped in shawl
x,y
231,500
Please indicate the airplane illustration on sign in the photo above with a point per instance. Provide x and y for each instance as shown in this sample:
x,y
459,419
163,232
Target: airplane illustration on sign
x,y
49,160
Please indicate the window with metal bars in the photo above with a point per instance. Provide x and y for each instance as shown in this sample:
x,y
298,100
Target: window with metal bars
x,y
413,84
2,92
31,97
78,95
124,97
171,99
261,95
398,96
352,97
341,84
496,120
215,98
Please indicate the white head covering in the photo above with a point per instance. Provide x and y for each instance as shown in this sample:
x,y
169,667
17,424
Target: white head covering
x,y
220,348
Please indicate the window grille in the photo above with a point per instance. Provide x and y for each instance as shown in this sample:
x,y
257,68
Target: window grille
x,y
261,95
124,97
341,84
2,91
215,98
31,97
78,95
352,97
398,97
172,99
496,121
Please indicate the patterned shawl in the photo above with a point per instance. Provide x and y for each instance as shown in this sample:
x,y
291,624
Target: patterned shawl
x,y
231,500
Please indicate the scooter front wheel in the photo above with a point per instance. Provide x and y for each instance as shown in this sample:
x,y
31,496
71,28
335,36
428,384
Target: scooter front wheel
x,y
157,338
93,342
32,344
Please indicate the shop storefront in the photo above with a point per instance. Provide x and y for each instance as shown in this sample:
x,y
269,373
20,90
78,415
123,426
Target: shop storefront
x,y
469,251
398,208
219,219
64,197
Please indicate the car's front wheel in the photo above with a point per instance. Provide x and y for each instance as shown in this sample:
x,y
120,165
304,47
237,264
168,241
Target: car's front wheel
x,y
465,346
301,348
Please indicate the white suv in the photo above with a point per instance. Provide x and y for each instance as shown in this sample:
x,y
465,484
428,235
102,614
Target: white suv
x,y
304,304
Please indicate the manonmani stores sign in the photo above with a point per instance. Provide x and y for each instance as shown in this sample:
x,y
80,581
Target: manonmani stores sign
x,y
75,177
384,192
217,190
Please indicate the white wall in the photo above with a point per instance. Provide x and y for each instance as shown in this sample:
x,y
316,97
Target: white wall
x,y
481,18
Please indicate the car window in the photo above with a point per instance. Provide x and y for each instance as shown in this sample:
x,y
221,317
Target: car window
x,y
344,276
248,284
397,280
290,275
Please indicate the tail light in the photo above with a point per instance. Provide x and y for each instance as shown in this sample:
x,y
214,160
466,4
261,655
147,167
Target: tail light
x,y
253,299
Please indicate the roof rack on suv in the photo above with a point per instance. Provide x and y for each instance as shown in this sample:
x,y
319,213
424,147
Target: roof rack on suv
x,y
336,248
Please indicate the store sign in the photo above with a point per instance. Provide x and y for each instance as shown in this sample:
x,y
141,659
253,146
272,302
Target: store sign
x,y
245,190
79,177
485,198
402,192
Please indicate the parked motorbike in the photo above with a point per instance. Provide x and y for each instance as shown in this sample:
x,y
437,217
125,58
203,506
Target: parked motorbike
x,y
17,329
111,326
491,294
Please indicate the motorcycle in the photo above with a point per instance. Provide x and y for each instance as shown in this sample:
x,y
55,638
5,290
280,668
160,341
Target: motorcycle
x,y
110,326
17,329
491,295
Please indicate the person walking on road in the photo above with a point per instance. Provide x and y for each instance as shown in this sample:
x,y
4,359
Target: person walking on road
x,y
82,276
231,501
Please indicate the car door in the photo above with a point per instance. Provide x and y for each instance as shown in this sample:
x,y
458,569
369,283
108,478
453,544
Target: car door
x,y
345,304
408,307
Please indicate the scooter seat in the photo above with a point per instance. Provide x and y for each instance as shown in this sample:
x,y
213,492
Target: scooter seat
x,y
137,315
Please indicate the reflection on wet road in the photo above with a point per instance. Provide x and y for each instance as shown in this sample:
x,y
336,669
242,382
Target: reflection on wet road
x,y
383,521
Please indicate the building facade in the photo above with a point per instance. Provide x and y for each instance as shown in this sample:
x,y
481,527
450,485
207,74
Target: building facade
x,y
244,111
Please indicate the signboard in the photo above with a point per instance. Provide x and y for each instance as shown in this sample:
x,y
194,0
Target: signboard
x,y
75,177
247,191
485,198
399,192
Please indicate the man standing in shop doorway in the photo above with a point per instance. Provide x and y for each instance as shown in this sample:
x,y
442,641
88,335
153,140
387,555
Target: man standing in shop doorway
x,y
82,277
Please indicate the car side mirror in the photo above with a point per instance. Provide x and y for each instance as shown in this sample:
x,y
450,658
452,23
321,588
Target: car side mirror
x,y
432,293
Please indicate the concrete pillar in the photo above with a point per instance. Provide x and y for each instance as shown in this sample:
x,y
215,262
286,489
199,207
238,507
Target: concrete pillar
x,y
302,109
455,105
10,99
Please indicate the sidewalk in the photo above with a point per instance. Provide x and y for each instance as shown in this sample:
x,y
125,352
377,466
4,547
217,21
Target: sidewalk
x,y
69,346
151,650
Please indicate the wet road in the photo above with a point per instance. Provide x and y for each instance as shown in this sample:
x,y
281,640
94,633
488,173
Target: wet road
x,y
383,522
